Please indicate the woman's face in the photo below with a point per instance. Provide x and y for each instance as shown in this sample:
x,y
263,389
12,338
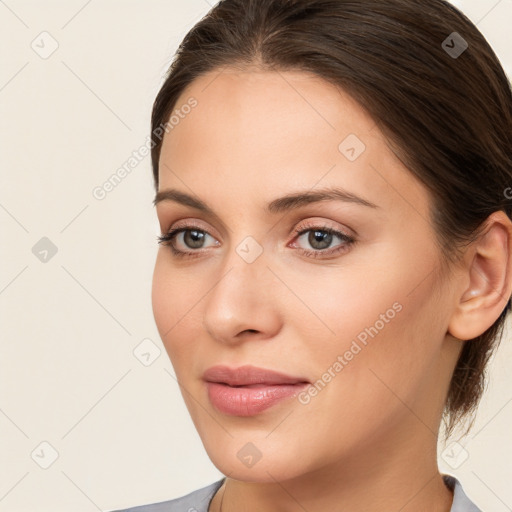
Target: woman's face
x,y
364,322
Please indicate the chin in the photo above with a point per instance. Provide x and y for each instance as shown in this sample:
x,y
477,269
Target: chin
x,y
256,462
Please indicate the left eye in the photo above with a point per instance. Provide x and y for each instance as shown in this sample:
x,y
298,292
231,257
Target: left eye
x,y
321,239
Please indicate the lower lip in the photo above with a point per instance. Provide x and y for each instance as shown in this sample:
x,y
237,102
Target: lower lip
x,y
249,401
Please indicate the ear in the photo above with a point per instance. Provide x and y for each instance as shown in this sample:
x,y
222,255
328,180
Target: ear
x,y
489,271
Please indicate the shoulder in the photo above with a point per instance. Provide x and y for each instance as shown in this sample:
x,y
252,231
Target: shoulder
x,y
196,501
461,502
199,500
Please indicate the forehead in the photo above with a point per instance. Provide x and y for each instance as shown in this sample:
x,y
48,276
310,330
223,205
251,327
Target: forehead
x,y
272,103
269,131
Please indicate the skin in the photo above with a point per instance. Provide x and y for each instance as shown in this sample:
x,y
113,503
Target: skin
x,y
367,441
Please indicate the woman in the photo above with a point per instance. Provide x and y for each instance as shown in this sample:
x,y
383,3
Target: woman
x,y
335,265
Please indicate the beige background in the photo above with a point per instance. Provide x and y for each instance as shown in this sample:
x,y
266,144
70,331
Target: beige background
x,y
69,376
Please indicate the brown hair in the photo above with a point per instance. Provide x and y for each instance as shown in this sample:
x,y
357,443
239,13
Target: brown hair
x,y
447,116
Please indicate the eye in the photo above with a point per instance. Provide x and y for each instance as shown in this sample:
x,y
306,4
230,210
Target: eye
x,y
320,238
191,237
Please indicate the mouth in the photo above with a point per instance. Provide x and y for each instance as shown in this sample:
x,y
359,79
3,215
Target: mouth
x,y
248,390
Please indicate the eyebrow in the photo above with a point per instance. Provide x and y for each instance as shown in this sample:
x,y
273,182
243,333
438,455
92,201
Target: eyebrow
x,y
279,205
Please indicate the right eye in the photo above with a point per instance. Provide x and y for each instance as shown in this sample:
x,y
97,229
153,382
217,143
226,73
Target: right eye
x,y
193,238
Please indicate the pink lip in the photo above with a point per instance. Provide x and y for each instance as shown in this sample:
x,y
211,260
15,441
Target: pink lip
x,y
248,390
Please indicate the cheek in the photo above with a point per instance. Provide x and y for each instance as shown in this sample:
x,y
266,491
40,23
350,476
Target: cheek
x,y
344,303
173,300
161,299
376,318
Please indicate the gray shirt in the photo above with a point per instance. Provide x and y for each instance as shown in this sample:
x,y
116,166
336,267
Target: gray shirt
x,y
199,500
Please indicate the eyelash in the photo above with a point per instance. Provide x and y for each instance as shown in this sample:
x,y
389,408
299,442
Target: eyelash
x,y
168,238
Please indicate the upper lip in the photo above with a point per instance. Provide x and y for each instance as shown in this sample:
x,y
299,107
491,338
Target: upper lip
x,y
247,375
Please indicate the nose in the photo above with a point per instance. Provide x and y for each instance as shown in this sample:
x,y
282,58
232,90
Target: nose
x,y
242,304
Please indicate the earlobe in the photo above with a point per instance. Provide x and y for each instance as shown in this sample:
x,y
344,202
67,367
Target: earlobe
x,y
489,270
